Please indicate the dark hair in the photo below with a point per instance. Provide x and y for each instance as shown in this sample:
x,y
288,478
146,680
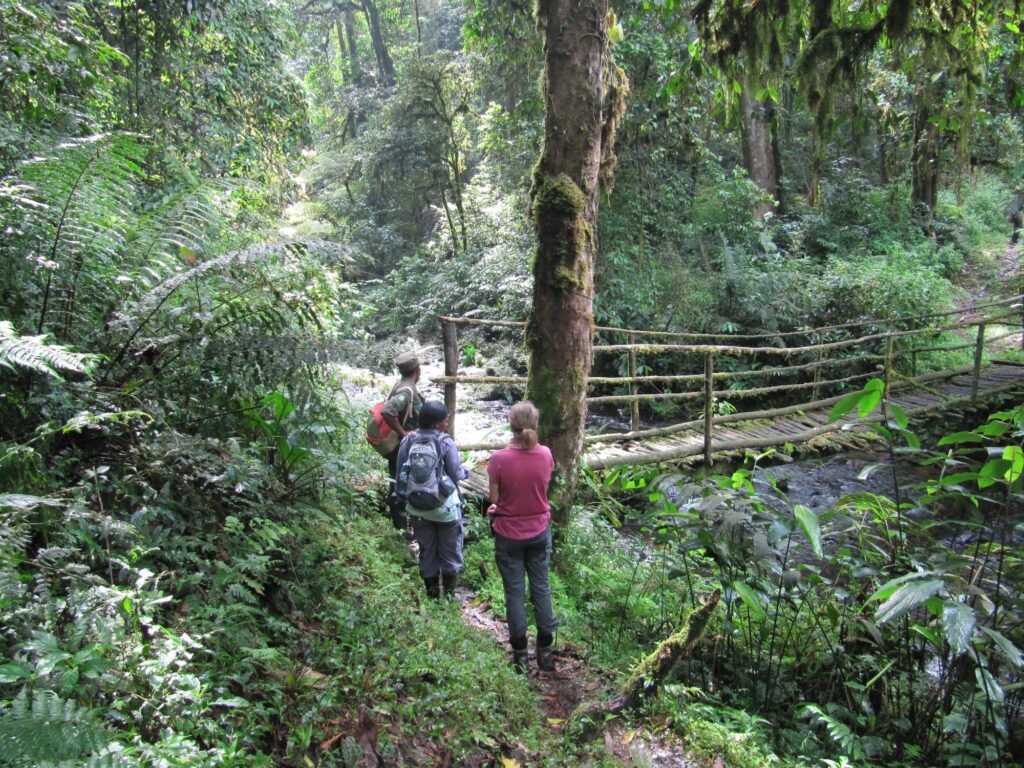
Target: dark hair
x,y
432,413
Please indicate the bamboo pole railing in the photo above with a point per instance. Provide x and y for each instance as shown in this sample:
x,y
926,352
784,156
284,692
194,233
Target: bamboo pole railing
x,y
877,363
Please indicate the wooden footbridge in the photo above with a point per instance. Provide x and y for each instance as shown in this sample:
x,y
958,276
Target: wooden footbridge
x,y
805,372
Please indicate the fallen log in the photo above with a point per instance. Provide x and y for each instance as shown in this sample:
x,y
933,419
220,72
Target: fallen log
x,y
588,719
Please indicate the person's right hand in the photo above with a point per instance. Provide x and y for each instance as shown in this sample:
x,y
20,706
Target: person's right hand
x,y
492,510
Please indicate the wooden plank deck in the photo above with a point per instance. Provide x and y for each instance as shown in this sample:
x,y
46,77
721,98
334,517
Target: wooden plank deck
x,y
794,428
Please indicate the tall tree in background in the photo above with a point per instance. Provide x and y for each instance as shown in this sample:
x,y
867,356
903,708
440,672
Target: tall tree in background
x,y
583,92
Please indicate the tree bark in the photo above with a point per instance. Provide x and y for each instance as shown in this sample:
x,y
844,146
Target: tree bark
x,y
924,161
755,135
564,205
385,67
353,54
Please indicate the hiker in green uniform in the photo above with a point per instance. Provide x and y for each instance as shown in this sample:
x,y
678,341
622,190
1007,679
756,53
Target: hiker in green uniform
x,y
400,412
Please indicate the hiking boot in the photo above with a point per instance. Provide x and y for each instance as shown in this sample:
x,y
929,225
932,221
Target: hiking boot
x,y
433,588
546,658
451,581
521,661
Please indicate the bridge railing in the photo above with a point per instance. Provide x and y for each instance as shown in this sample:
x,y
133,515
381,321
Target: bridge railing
x,y
878,348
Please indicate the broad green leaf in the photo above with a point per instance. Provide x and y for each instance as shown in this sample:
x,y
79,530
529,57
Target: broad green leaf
x,y
736,87
958,477
844,406
993,429
992,472
750,597
961,437
1007,648
809,524
910,437
958,624
886,591
1014,455
989,685
899,416
907,598
615,34
869,402
928,634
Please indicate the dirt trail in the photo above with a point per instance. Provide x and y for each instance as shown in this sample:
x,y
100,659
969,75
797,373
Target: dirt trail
x,y
573,681
1009,275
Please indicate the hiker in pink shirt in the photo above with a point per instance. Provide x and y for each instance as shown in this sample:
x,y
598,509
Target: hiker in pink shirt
x,y
520,517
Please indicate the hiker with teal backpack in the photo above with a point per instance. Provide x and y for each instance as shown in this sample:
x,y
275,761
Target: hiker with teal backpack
x,y
429,472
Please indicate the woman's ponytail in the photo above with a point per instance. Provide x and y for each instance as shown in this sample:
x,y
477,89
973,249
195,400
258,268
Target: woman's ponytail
x,y
524,418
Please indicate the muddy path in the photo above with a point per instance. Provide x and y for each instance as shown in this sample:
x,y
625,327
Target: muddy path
x,y
575,681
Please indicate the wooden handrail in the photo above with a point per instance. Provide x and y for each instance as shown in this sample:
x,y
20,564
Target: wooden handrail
x,y
781,334
885,366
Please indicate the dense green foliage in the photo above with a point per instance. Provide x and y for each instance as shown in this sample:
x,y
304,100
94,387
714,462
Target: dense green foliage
x,y
206,207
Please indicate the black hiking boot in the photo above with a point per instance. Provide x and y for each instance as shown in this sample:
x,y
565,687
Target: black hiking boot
x,y
451,581
433,588
546,658
521,661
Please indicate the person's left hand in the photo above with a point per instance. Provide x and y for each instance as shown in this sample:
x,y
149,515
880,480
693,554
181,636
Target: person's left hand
x,y
492,510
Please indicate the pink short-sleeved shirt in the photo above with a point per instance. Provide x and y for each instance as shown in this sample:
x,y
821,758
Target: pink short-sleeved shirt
x,y
522,476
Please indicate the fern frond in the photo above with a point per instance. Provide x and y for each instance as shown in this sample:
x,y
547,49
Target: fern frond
x,y
75,205
33,353
137,315
46,727
841,734
171,238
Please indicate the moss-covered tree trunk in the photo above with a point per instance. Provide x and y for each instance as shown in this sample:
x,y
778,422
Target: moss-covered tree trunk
x,y
756,136
924,160
564,203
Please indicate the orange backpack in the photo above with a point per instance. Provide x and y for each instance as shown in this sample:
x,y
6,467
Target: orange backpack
x,y
378,434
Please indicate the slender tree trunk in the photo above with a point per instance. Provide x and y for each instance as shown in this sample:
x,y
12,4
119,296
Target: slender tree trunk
x,y
755,134
564,204
385,67
353,54
924,161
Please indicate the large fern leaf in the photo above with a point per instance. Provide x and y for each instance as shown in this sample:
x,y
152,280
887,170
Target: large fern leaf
x,y
73,206
44,726
33,353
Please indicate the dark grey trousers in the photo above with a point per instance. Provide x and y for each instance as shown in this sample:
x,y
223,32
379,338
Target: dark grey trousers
x,y
518,560
440,546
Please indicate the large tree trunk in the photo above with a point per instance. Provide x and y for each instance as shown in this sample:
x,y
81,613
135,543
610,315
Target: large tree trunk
x,y
385,67
564,203
755,134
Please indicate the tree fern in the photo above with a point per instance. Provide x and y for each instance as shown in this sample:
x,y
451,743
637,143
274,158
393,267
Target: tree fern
x,y
140,316
172,237
33,353
74,206
44,726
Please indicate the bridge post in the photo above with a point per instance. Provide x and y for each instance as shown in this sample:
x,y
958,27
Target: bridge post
x,y
634,405
979,349
887,371
709,404
819,356
450,340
